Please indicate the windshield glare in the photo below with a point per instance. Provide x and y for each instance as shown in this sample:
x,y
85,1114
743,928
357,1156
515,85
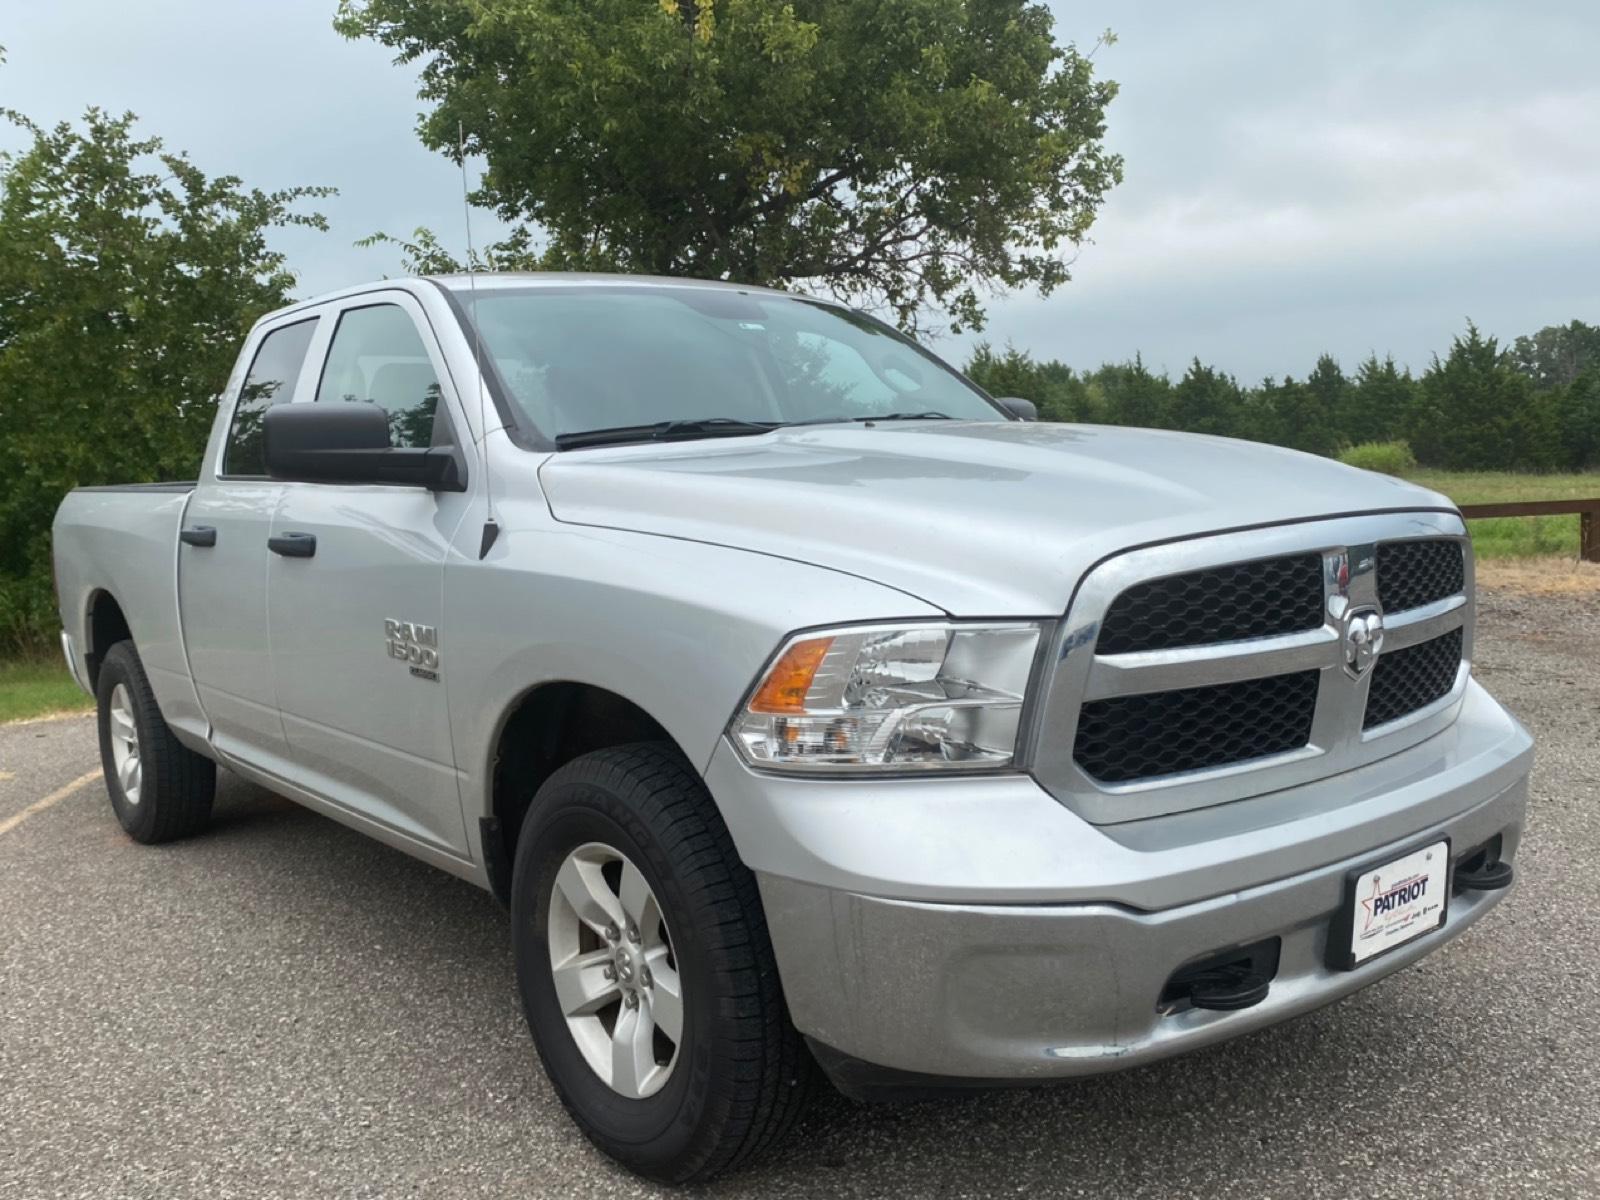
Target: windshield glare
x,y
578,359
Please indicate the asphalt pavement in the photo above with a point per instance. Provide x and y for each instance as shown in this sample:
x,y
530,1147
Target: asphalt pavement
x,y
281,1007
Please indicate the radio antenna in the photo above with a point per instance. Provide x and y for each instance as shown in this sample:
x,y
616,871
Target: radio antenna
x,y
491,530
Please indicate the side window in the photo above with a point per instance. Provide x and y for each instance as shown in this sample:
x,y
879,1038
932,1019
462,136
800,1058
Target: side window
x,y
378,357
270,381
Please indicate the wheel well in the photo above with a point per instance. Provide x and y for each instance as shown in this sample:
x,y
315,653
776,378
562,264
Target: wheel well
x,y
548,728
107,626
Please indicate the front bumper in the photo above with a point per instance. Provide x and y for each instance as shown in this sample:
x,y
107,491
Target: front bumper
x,y
1048,950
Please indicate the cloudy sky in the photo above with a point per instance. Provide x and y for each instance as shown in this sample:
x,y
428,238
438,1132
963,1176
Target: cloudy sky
x,y
1300,177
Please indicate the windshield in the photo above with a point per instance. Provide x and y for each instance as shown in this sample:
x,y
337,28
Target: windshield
x,y
576,359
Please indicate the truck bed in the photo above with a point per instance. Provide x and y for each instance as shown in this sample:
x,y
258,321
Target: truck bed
x,y
121,541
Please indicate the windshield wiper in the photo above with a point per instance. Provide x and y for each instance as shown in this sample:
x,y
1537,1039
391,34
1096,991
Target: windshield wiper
x,y
841,419
664,431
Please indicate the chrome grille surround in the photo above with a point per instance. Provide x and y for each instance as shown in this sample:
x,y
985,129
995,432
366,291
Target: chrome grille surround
x,y
1075,674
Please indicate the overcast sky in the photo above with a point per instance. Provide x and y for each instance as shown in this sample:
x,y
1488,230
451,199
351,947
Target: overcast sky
x,y
1356,177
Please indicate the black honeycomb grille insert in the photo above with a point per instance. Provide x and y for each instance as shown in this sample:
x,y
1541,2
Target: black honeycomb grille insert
x,y
1220,604
1411,574
1161,733
1409,679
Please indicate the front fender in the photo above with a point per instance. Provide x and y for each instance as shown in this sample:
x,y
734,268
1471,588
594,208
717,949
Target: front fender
x,y
679,628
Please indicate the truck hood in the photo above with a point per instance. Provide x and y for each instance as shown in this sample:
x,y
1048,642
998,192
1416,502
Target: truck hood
x,y
976,518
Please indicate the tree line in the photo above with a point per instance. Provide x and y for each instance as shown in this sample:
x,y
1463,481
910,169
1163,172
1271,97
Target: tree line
x,y
1533,405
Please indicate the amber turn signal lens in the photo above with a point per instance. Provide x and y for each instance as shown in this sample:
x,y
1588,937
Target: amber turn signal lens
x,y
785,687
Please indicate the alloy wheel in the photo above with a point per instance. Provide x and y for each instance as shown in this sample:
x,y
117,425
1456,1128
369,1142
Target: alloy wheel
x,y
616,977
125,757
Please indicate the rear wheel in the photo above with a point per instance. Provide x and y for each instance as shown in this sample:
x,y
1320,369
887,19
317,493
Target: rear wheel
x,y
160,789
645,968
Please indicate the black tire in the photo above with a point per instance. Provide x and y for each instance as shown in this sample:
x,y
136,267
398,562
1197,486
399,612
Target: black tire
x,y
748,1071
176,785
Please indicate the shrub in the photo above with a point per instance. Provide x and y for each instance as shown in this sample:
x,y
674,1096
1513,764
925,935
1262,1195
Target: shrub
x,y
1391,458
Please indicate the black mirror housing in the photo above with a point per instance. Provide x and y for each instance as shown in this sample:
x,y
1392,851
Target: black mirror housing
x,y
349,443
1022,410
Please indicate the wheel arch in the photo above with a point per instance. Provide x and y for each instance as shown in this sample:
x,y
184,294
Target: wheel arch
x,y
104,625
543,729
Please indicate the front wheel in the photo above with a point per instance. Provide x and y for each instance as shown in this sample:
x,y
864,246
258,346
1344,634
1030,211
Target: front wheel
x,y
160,789
646,972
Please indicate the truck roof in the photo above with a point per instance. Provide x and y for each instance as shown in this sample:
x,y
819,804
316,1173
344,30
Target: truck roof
x,y
485,280
464,282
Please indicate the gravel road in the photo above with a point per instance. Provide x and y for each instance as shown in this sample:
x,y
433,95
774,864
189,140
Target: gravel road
x,y
281,1007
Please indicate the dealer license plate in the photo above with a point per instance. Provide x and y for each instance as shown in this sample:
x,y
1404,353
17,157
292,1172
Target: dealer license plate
x,y
1401,900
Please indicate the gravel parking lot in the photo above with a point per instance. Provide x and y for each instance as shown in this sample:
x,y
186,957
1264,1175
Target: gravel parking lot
x,y
284,1008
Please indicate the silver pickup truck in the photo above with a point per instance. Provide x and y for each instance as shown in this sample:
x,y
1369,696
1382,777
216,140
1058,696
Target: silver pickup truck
x,y
805,705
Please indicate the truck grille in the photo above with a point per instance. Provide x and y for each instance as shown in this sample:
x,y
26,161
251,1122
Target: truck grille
x,y
1200,672
1413,678
1411,574
1162,733
1221,604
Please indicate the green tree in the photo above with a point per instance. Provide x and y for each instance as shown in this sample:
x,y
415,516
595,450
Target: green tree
x,y
1053,386
127,279
1206,400
1009,373
1378,404
1475,410
1294,414
1557,354
1131,395
902,154
1313,425
1578,413
1261,414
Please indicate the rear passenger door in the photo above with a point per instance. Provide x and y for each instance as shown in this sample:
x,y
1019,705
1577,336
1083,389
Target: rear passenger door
x,y
359,649
222,558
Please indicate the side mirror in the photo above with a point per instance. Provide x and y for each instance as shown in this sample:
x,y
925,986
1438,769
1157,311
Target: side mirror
x,y
349,443
1022,410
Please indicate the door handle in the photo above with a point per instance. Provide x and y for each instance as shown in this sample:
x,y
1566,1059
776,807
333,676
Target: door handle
x,y
293,545
198,535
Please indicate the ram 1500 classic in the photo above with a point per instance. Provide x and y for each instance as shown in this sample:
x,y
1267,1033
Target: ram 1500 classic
x,y
805,705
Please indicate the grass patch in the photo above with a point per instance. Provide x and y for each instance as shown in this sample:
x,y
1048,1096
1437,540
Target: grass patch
x,y
34,686
1516,537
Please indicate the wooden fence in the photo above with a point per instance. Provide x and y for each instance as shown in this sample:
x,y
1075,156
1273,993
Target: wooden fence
x,y
1588,518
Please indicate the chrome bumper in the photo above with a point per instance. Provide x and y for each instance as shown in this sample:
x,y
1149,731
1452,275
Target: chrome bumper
x,y
1019,988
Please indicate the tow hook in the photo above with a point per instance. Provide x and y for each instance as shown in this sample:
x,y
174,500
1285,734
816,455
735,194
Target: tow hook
x,y
1226,989
1486,877
1225,981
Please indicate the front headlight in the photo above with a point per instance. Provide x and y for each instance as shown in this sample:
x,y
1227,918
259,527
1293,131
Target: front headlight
x,y
890,698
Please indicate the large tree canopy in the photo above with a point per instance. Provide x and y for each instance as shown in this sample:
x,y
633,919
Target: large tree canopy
x,y
127,279
904,154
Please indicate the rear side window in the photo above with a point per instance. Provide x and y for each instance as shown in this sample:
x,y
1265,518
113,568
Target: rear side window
x,y
270,381
378,357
